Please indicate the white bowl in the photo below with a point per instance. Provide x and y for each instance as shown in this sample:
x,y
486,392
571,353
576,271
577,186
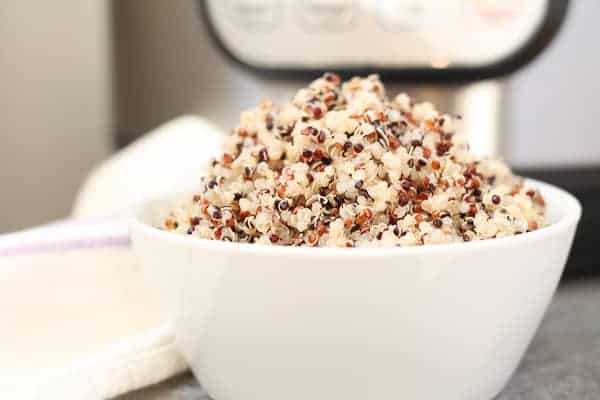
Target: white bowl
x,y
429,322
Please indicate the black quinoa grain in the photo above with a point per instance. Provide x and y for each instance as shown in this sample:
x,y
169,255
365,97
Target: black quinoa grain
x,y
403,199
284,205
321,137
269,122
442,148
332,77
263,155
365,193
309,131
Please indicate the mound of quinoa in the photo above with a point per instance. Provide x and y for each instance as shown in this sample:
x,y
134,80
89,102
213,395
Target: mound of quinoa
x,y
342,165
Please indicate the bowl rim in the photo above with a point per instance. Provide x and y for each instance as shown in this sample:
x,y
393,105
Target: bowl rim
x,y
569,218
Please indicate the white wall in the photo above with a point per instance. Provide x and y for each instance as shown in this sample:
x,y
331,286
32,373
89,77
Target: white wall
x,y
55,110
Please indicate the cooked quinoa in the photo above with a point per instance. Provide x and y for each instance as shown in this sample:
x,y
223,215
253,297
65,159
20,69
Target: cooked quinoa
x,y
342,165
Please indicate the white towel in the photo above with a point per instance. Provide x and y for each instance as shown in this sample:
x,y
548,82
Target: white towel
x,y
77,320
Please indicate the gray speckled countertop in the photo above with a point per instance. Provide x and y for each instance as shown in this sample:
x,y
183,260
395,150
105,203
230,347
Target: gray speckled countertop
x,y
563,362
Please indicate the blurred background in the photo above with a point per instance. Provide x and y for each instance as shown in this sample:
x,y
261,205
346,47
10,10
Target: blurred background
x,y
80,79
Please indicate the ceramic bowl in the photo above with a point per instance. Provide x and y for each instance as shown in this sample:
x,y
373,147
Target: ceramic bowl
x,y
446,322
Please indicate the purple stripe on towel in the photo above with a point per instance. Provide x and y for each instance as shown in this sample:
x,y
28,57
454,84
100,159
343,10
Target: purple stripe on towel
x,y
74,222
62,246
67,235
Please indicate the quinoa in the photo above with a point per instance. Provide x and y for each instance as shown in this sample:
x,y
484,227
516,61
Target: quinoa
x,y
342,165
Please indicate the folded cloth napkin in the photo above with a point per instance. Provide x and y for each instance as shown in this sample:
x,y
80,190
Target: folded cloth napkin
x,y
78,322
